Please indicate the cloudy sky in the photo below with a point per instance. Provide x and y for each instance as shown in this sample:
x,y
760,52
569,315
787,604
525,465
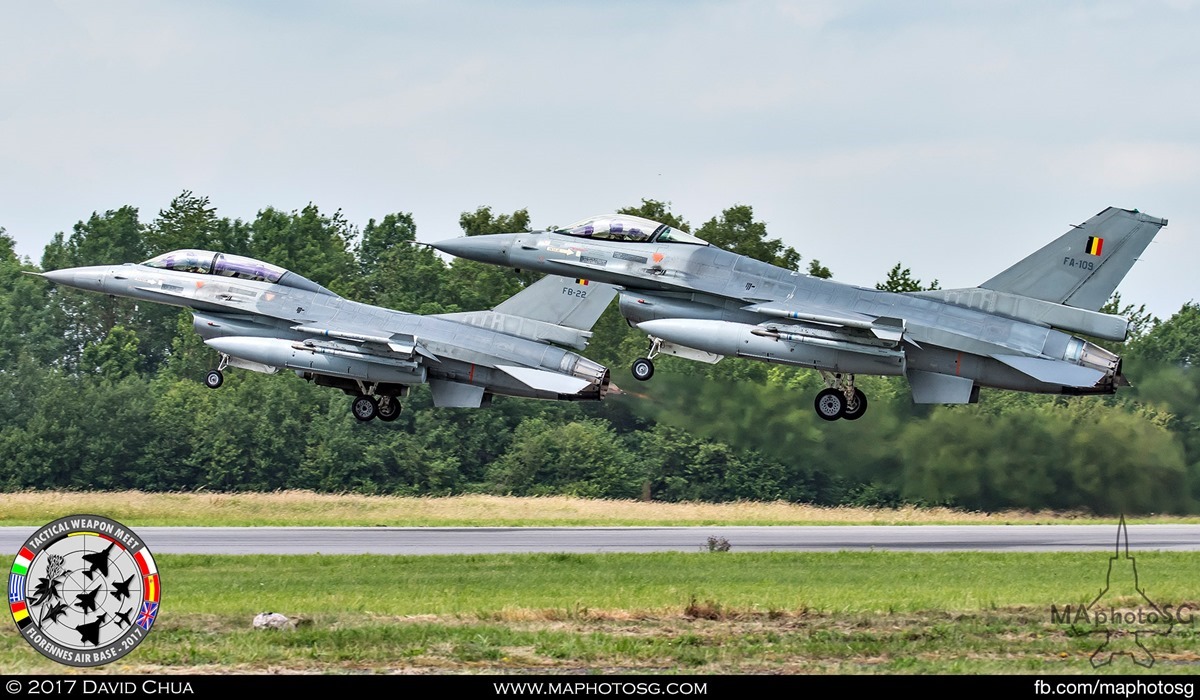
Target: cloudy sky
x,y
954,137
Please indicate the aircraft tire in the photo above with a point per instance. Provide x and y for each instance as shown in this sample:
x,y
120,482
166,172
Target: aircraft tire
x,y
214,379
364,408
642,369
830,404
860,406
389,410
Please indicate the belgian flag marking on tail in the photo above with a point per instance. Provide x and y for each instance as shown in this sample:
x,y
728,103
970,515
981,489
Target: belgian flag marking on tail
x,y
1094,245
582,281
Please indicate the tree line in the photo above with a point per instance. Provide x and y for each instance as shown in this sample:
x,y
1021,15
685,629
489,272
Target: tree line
x,y
105,393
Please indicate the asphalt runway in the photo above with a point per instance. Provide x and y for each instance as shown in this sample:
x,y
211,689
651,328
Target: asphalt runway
x,y
497,540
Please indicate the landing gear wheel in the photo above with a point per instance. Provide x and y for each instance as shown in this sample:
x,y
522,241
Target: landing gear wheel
x,y
830,404
642,369
214,379
389,408
856,407
364,408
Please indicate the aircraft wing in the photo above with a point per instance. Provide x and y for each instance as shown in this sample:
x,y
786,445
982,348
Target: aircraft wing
x,y
545,381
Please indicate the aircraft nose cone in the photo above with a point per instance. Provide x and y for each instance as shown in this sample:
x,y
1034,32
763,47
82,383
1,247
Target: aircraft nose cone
x,y
489,249
66,277
89,278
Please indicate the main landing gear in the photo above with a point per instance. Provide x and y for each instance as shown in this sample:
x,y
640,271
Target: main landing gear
x,y
642,367
368,403
366,407
841,399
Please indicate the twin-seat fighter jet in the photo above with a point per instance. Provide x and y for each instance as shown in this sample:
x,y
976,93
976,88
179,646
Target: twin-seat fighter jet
x,y
261,317
694,300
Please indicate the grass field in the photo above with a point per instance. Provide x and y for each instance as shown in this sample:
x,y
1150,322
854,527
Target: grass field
x,y
708,613
305,508
664,613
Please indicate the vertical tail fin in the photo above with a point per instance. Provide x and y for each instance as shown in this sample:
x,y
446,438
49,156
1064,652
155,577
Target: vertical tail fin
x,y
562,301
1082,267
554,309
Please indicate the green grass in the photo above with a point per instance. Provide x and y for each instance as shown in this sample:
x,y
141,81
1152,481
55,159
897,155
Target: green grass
x,y
856,582
731,612
137,509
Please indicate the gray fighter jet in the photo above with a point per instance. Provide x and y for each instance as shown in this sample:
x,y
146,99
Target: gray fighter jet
x,y
261,317
1015,331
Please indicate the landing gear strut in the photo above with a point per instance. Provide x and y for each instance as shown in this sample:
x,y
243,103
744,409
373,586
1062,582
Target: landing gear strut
x,y
642,367
840,398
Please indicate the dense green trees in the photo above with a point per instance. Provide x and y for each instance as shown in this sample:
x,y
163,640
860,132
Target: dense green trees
x,y
100,393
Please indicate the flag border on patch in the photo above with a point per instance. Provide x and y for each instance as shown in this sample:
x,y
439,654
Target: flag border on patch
x,y
16,588
148,612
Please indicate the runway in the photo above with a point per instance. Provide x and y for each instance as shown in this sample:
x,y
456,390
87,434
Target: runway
x,y
592,540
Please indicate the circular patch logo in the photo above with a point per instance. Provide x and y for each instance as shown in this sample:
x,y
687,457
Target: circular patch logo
x,y
84,590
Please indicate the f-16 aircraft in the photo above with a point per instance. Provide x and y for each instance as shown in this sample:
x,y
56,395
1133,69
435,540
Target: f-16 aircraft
x,y
694,300
263,318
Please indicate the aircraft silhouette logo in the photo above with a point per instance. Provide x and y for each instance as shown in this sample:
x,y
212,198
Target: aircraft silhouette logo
x,y
1129,620
74,585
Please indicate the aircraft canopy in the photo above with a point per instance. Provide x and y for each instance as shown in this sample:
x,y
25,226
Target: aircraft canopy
x,y
206,262
626,227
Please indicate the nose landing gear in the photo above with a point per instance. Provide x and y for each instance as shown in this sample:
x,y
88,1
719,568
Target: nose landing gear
x,y
643,368
216,377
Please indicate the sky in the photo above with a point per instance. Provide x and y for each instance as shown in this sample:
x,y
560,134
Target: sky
x,y
951,137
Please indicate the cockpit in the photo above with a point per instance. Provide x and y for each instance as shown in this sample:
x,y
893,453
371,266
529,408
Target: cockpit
x,y
205,262
628,228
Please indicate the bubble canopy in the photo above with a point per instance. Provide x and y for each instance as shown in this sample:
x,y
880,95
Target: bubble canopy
x,y
206,262
628,228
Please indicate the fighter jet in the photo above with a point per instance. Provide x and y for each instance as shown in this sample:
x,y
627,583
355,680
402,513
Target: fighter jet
x,y
261,317
1015,331
86,601
122,618
98,561
121,588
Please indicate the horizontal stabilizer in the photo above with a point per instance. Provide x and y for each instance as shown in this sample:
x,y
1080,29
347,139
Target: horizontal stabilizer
x,y
545,381
1053,371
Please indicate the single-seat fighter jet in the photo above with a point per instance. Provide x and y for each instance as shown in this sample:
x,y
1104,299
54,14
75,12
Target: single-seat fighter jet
x,y
261,317
694,300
